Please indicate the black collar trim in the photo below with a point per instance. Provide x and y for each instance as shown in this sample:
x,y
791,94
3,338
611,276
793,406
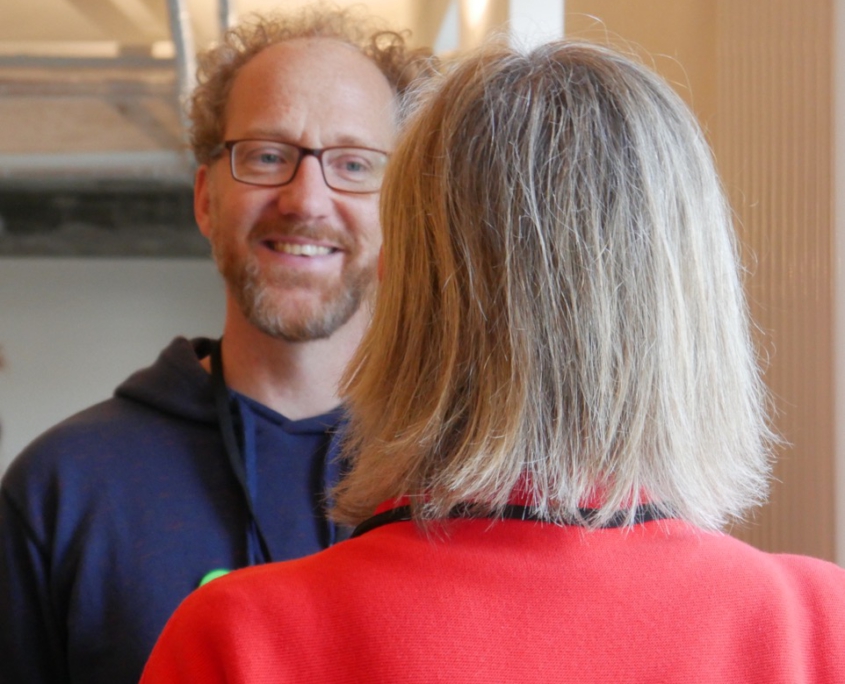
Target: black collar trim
x,y
642,514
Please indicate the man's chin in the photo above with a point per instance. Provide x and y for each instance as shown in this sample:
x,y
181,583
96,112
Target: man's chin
x,y
301,330
287,317
300,309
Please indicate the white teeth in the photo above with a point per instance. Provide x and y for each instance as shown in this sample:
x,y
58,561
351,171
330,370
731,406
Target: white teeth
x,y
301,250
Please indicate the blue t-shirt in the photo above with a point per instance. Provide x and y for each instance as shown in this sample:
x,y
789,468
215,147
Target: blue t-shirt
x,y
295,452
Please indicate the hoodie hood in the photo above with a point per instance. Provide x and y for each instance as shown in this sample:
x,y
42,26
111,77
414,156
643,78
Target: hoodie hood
x,y
176,383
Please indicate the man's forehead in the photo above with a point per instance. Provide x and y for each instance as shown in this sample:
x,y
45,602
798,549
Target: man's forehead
x,y
327,60
320,79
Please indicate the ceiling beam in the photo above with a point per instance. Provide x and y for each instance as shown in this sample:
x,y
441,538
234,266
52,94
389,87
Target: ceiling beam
x,y
129,22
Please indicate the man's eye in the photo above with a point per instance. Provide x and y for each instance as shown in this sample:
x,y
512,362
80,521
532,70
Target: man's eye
x,y
266,157
352,166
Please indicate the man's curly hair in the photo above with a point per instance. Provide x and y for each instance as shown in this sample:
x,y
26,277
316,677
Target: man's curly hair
x,y
219,66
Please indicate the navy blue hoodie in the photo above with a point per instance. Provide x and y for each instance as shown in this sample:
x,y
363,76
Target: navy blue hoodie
x,y
111,518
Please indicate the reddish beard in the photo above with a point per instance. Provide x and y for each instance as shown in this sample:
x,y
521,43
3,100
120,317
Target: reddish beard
x,y
264,296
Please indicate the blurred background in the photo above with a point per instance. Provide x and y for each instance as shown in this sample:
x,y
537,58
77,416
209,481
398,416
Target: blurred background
x,y
101,264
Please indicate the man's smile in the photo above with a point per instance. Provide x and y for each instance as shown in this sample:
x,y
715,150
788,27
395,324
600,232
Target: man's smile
x,y
299,249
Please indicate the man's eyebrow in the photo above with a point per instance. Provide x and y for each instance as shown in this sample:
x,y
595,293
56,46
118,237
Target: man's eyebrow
x,y
265,134
344,140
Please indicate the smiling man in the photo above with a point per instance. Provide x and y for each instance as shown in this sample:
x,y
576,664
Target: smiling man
x,y
218,455
289,200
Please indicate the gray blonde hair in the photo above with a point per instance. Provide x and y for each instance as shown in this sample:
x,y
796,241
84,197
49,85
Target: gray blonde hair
x,y
220,65
561,311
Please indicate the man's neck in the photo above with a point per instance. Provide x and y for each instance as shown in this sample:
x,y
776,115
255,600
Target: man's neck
x,y
296,379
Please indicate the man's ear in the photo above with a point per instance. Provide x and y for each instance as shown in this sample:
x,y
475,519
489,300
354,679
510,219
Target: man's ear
x,y
202,198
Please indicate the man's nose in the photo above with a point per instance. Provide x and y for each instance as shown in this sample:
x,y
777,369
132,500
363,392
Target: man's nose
x,y
307,195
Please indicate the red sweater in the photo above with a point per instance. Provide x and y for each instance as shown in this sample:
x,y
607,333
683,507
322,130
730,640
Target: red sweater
x,y
516,601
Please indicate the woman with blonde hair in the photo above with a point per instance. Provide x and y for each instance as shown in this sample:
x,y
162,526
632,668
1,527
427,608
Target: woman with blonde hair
x,y
556,409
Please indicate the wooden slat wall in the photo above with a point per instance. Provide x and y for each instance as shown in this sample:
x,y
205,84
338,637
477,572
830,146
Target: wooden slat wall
x,y
773,140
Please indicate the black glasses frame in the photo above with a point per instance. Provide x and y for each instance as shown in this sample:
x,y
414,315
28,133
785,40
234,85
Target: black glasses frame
x,y
303,152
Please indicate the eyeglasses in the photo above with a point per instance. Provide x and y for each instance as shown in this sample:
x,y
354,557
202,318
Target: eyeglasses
x,y
272,164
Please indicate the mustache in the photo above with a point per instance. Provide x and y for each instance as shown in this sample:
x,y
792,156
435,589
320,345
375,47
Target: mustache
x,y
318,232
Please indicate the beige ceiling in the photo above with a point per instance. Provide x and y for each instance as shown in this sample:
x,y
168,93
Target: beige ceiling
x,y
89,89
136,22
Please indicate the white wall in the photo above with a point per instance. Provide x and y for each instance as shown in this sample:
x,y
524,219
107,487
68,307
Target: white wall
x,y
72,329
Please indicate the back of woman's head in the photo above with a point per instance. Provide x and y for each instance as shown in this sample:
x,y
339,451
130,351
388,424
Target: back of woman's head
x,y
561,310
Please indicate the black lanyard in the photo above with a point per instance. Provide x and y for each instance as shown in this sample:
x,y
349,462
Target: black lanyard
x,y
642,514
233,449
